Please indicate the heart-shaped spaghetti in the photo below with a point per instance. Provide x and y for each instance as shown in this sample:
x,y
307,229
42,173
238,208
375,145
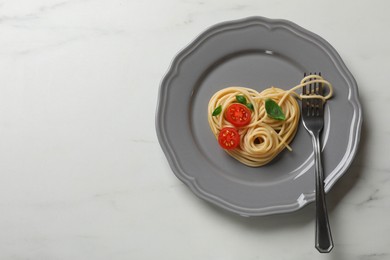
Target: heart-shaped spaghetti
x,y
263,138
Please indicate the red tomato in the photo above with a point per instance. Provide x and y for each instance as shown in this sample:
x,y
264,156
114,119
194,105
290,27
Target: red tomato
x,y
228,138
238,115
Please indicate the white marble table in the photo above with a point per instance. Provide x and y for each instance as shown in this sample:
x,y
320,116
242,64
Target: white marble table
x,y
82,173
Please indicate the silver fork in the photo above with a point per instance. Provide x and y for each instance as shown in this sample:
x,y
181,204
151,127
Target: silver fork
x,y
313,120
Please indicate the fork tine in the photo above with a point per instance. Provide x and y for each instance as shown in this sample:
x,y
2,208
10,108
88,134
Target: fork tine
x,y
320,101
315,101
320,88
312,85
314,88
305,109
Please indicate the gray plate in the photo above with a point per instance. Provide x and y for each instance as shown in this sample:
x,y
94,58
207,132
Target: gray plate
x,y
257,53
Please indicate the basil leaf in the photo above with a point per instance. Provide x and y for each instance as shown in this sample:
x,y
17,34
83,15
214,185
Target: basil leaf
x,y
250,106
241,99
217,111
274,110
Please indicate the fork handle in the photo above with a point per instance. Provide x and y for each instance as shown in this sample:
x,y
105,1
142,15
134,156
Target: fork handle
x,y
323,236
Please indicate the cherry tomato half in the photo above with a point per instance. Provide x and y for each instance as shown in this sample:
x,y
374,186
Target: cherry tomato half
x,y
228,138
238,115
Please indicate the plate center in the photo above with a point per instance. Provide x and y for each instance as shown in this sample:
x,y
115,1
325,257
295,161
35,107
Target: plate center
x,y
256,69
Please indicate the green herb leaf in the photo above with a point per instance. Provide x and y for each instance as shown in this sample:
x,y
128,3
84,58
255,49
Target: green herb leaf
x,y
241,99
274,110
217,111
250,106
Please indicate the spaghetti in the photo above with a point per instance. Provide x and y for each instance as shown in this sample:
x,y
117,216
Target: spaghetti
x,y
263,138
